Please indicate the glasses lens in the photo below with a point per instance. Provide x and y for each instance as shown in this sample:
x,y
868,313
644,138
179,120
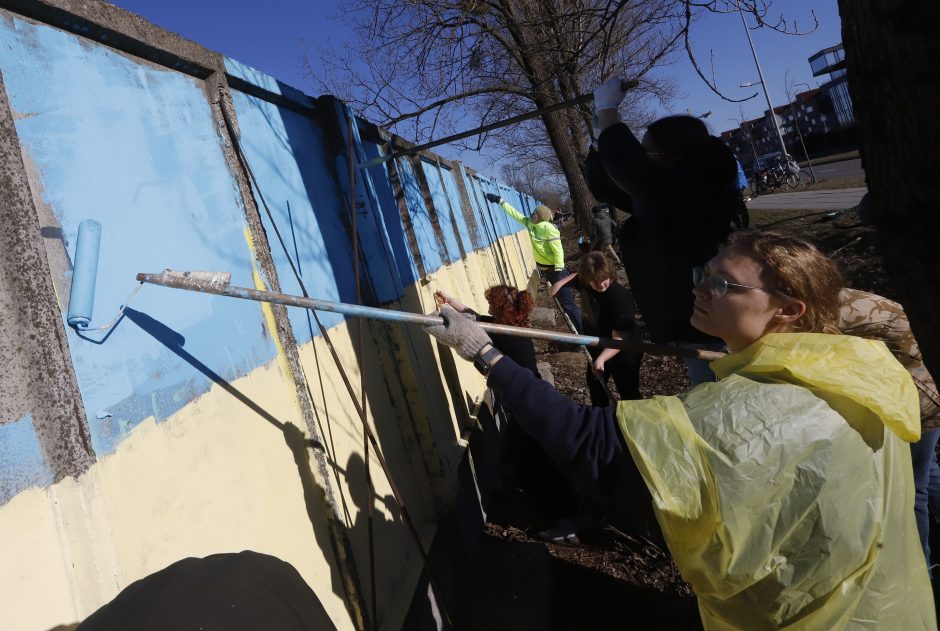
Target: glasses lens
x,y
718,286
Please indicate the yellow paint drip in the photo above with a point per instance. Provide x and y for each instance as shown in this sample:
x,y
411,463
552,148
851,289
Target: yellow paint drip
x,y
269,321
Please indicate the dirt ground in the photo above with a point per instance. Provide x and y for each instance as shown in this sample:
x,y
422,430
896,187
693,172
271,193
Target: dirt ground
x,y
614,577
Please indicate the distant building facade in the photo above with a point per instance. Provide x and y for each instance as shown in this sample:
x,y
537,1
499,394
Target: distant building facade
x,y
819,114
831,61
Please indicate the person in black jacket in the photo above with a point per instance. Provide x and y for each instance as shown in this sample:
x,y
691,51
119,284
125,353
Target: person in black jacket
x,y
680,184
607,311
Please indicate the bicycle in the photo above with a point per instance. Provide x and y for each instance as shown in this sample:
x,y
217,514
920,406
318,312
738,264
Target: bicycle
x,y
785,170
790,171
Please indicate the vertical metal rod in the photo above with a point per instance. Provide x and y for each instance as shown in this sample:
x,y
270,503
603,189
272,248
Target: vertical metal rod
x,y
796,123
760,74
350,151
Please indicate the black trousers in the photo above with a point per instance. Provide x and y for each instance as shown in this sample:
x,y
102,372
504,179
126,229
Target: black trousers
x,y
625,371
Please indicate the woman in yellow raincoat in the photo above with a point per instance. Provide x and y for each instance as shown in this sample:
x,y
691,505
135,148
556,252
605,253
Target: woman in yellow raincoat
x,y
784,491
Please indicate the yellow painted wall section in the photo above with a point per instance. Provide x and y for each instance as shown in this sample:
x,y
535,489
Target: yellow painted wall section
x,y
397,561
215,477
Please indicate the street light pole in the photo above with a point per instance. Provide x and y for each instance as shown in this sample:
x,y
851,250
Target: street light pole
x,y
760,73
796,123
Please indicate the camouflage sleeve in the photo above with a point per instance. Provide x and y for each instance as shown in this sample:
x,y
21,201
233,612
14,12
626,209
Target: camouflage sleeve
x,y
877,318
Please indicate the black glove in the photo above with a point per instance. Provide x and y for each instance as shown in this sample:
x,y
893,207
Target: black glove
x,y
459,332
494,198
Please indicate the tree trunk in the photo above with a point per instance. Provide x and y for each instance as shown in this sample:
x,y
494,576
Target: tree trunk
x,y
892,49
556,126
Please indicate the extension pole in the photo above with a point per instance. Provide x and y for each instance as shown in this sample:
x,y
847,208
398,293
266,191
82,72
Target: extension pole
x,y
205,284
578,100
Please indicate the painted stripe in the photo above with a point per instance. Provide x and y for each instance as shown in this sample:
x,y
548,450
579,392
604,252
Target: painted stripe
x,y
21,462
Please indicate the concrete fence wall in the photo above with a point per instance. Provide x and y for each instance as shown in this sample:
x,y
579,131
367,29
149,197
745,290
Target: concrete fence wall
x,y
201,424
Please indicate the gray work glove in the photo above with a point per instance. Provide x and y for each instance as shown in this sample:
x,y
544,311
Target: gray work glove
x,y
460,333
494,198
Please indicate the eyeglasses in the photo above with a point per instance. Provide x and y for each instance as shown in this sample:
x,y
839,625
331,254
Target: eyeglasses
x,y
717,285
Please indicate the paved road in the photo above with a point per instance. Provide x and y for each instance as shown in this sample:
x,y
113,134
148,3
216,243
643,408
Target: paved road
x,y
846,168
835,199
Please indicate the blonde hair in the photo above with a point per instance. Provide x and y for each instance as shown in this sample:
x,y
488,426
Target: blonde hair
x,y
544,213
594,266
795,268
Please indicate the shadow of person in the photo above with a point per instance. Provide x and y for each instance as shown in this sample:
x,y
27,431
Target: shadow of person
x,y
241,591
324,521
386,531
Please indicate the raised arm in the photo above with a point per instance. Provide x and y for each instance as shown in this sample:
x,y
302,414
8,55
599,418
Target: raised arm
x,y
512,212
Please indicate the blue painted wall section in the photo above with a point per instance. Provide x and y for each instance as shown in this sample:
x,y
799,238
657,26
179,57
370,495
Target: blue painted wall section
x,y
467,233
374,240
429,247
134,146
442,207
285,151
21,462
391,214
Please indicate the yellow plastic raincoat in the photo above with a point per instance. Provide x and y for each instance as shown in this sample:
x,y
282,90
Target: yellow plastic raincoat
x,y
785,490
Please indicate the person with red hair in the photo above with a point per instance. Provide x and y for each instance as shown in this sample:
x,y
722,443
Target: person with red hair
x,y
507,305
524,463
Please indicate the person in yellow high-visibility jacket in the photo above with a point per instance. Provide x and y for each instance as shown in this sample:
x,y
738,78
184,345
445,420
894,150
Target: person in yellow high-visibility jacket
x,y
547,250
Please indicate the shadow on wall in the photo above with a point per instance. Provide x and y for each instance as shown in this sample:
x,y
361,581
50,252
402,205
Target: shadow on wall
x,y
321,515
385,531
241,591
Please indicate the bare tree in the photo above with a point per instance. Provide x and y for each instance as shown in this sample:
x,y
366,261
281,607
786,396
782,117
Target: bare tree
x,y
537,180
424,67
891,48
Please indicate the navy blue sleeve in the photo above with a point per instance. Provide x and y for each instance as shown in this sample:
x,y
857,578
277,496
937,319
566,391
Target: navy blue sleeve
x,y
584,441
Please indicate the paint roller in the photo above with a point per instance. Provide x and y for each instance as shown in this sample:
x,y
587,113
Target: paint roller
x,y
85,276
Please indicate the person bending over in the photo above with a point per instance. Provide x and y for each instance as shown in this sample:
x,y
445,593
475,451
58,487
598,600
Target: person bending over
x,y
607,311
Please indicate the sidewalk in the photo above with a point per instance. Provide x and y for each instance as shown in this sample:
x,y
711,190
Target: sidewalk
x,y
835,199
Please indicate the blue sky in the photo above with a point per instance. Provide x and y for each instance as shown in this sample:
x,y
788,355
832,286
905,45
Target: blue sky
x,y
268,37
